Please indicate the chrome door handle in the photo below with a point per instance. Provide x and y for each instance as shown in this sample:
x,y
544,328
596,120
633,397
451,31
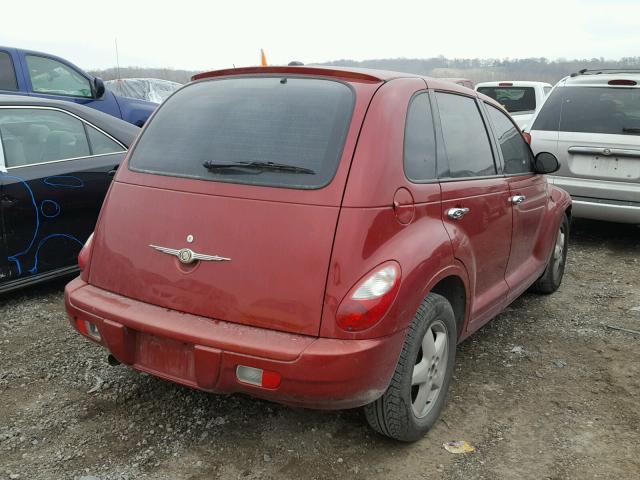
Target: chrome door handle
x,y
457,213
517,199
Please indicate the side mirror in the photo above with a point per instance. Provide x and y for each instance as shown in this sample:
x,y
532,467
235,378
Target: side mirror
x,y
98,87
546,162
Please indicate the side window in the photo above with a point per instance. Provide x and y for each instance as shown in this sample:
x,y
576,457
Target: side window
x,y
549,116
32,136
515,151
101,144
55,78
466,140
419,140
7,73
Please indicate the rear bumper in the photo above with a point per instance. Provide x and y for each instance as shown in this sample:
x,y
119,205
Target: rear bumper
x,y
602,200
203,353
607,210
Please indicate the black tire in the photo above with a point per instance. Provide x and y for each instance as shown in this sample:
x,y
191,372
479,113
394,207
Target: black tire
x,y
551,278
393,414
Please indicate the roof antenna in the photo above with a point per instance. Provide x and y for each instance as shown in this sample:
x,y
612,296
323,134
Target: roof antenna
x,y
117,58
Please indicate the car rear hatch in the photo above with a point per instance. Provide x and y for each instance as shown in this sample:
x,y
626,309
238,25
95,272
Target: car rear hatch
x,y
599,140
207,175
517,100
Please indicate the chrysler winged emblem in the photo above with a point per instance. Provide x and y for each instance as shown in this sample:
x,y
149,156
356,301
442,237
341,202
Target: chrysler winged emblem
x,y
187,256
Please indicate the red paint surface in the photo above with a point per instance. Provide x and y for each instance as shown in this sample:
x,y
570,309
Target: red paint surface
x,y
297,253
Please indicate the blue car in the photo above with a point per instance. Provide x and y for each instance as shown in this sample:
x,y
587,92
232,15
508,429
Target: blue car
x,y
37,74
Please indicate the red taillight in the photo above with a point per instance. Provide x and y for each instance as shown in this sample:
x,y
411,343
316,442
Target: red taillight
x,y
88,329
626,83
85,253
258,377
271,379
370,299
527,137
505,84
81,325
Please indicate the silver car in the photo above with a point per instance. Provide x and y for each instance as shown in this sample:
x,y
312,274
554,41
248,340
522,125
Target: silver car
x,y
591,122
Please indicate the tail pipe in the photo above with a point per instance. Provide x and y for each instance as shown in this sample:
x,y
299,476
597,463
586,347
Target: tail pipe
x,y
113,361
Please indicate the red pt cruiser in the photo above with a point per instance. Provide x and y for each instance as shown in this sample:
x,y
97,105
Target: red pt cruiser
x,y
319,237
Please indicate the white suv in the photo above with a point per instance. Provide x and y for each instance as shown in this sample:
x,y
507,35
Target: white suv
x,y
591,123
520,98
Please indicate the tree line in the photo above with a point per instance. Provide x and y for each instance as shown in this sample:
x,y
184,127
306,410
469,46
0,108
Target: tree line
x,y
476,69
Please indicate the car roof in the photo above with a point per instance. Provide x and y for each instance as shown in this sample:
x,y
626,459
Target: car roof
x,y
601,79
455,79
119,129
516,83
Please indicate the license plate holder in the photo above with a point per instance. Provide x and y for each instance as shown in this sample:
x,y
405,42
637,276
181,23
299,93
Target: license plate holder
x,y
165,357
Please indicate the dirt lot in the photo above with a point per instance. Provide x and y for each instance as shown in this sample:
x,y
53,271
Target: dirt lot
x,y
545,391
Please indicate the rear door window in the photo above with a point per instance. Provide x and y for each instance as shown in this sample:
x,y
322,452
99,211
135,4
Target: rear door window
x,y
612,110
466,140
275,131
515,151
420,141
7,73
101,144
31,136
513,99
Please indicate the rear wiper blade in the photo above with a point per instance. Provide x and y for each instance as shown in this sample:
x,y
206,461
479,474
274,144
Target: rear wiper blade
x,y
631,130
282,167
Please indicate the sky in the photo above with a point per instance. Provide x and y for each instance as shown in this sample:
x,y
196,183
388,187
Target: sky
x,y
202,35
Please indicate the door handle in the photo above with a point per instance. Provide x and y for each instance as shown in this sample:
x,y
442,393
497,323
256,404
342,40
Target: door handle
x,y
457,213
517,199
113,171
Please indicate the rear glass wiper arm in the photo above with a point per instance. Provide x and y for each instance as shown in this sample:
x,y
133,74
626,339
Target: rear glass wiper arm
x,y
282,167
631,130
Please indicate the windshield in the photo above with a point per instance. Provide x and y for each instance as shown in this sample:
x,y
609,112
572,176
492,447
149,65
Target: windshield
x,y
513,99
613,110
273,123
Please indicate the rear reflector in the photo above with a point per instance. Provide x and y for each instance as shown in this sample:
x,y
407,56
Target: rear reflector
x,y
505,84
628,83
87,328
258,377
527,137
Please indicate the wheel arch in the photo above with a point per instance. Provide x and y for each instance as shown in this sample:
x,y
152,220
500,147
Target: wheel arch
x,y
452,283
453,289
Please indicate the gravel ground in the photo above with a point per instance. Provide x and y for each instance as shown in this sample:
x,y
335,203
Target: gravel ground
x,y
544,391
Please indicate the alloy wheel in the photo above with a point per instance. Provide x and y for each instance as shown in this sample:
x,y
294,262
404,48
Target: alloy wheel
x,y
429,369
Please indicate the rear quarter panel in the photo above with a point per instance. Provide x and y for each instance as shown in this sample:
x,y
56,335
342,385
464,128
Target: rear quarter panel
x,y
368,232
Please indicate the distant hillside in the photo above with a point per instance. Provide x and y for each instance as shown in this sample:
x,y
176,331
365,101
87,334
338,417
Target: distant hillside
x,y
480,70
477,69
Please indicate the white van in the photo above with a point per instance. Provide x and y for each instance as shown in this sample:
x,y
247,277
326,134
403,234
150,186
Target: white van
x,y
520,98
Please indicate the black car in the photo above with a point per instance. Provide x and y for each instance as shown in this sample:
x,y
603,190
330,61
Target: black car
x,y
57,160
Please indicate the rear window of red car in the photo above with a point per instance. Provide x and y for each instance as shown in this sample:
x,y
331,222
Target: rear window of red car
x,y
275,131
